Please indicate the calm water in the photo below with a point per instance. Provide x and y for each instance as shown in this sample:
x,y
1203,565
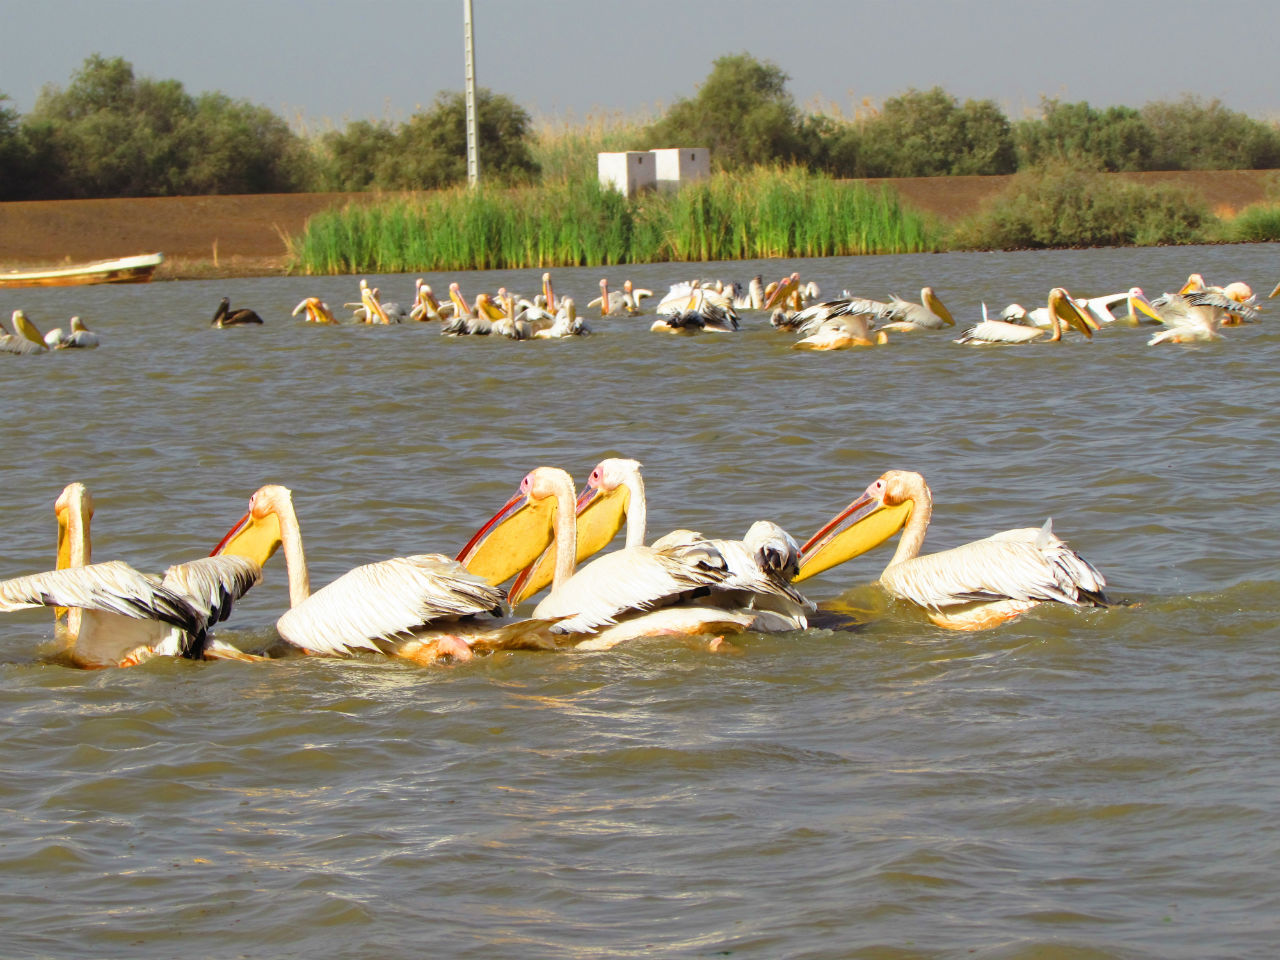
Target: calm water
x,y
1076,784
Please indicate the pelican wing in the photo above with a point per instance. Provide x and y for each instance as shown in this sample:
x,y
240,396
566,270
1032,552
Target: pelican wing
x,y
631,580
1023,564
124,611
1000,331
213,584
383,601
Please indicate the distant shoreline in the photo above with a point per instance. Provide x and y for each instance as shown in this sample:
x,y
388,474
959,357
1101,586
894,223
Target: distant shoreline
x,y
244,236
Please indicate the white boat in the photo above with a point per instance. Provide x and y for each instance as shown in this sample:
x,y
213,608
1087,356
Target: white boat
x,y
136,269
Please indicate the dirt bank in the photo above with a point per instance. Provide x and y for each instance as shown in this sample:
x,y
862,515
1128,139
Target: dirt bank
x,y
244,235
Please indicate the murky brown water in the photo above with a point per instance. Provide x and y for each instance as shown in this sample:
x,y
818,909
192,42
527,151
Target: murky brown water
x,y
1075,784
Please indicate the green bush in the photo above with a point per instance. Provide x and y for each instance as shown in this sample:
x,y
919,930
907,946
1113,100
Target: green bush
x,y
1259,223
930,134
743,113
1065,206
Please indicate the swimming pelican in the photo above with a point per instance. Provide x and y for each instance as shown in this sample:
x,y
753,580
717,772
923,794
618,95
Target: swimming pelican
x,y
682,584
928,314
702,311
425,305
971,587
80,337
614,491
840,333
1188,318
567,323
317,311
1062,310
224,316
118,617
420,607
785,292
613,303
25,337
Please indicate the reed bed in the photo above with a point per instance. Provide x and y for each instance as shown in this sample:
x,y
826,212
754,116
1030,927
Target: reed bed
x,y
763,213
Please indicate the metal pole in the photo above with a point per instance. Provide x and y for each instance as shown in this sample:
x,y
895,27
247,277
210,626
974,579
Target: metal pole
x,y
473,138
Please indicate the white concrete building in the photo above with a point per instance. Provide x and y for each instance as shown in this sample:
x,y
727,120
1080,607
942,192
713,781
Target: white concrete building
x,y
676,166
628,172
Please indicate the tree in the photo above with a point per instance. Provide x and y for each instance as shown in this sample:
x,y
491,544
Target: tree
x,y
743,113
1115,139
112,134
929,134
1192,135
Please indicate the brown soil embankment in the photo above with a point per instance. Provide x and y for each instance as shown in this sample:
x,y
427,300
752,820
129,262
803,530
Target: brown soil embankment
x,y
244,235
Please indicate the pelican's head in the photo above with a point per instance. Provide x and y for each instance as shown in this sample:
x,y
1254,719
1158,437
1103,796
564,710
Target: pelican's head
x,y
257,534
548,292
516,535
883,509
1138,303
930,299
1066,310
26,329
73,510
1239,291
1195,283
785,287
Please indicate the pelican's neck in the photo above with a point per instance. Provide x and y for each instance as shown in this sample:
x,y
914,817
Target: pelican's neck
x,y
637,511
912,539
295,558
565,528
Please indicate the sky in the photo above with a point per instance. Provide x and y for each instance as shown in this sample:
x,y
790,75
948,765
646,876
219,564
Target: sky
x,y
323,63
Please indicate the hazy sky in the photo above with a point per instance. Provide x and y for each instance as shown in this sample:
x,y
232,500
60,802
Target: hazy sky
x,y
326,62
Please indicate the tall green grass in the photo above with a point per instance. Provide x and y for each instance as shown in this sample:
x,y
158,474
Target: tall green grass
x,y
763,213
1257,223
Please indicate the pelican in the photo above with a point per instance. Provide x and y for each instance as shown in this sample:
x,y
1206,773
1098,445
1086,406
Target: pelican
x,y
840,333
682,584
370,309
224,316
316,310
420,607
1237,292
703,311
972,587
928,314
513,326
548,294
25,337
118,617
425,305
754,298
80,336
1062,311
613,303
567,323
1188,318
785,292
613,491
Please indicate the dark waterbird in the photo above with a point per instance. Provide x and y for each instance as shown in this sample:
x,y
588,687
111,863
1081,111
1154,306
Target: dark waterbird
x,y
224,316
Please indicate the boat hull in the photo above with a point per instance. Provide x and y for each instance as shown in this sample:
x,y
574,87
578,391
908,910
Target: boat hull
x,y
123,270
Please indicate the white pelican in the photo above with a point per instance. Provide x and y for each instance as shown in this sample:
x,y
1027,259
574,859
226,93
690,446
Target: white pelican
x,y
928,314
754,298
1188,318
25,337
971,587
682,584
1062,310
783,293
316,310
567,323
370,309
118,617
80,336
425,305
840,333
1238,292
702,311
612,303
420,607
224,316
1101,308
613,492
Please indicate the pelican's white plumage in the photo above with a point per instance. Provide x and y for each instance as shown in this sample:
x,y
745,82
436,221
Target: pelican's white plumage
x,y
418,607
970,587
118,616
25,339
682,583
1061,310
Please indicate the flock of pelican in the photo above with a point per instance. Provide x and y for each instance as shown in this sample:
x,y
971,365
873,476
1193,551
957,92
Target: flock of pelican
x,y
27,339
1196,312
547,536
